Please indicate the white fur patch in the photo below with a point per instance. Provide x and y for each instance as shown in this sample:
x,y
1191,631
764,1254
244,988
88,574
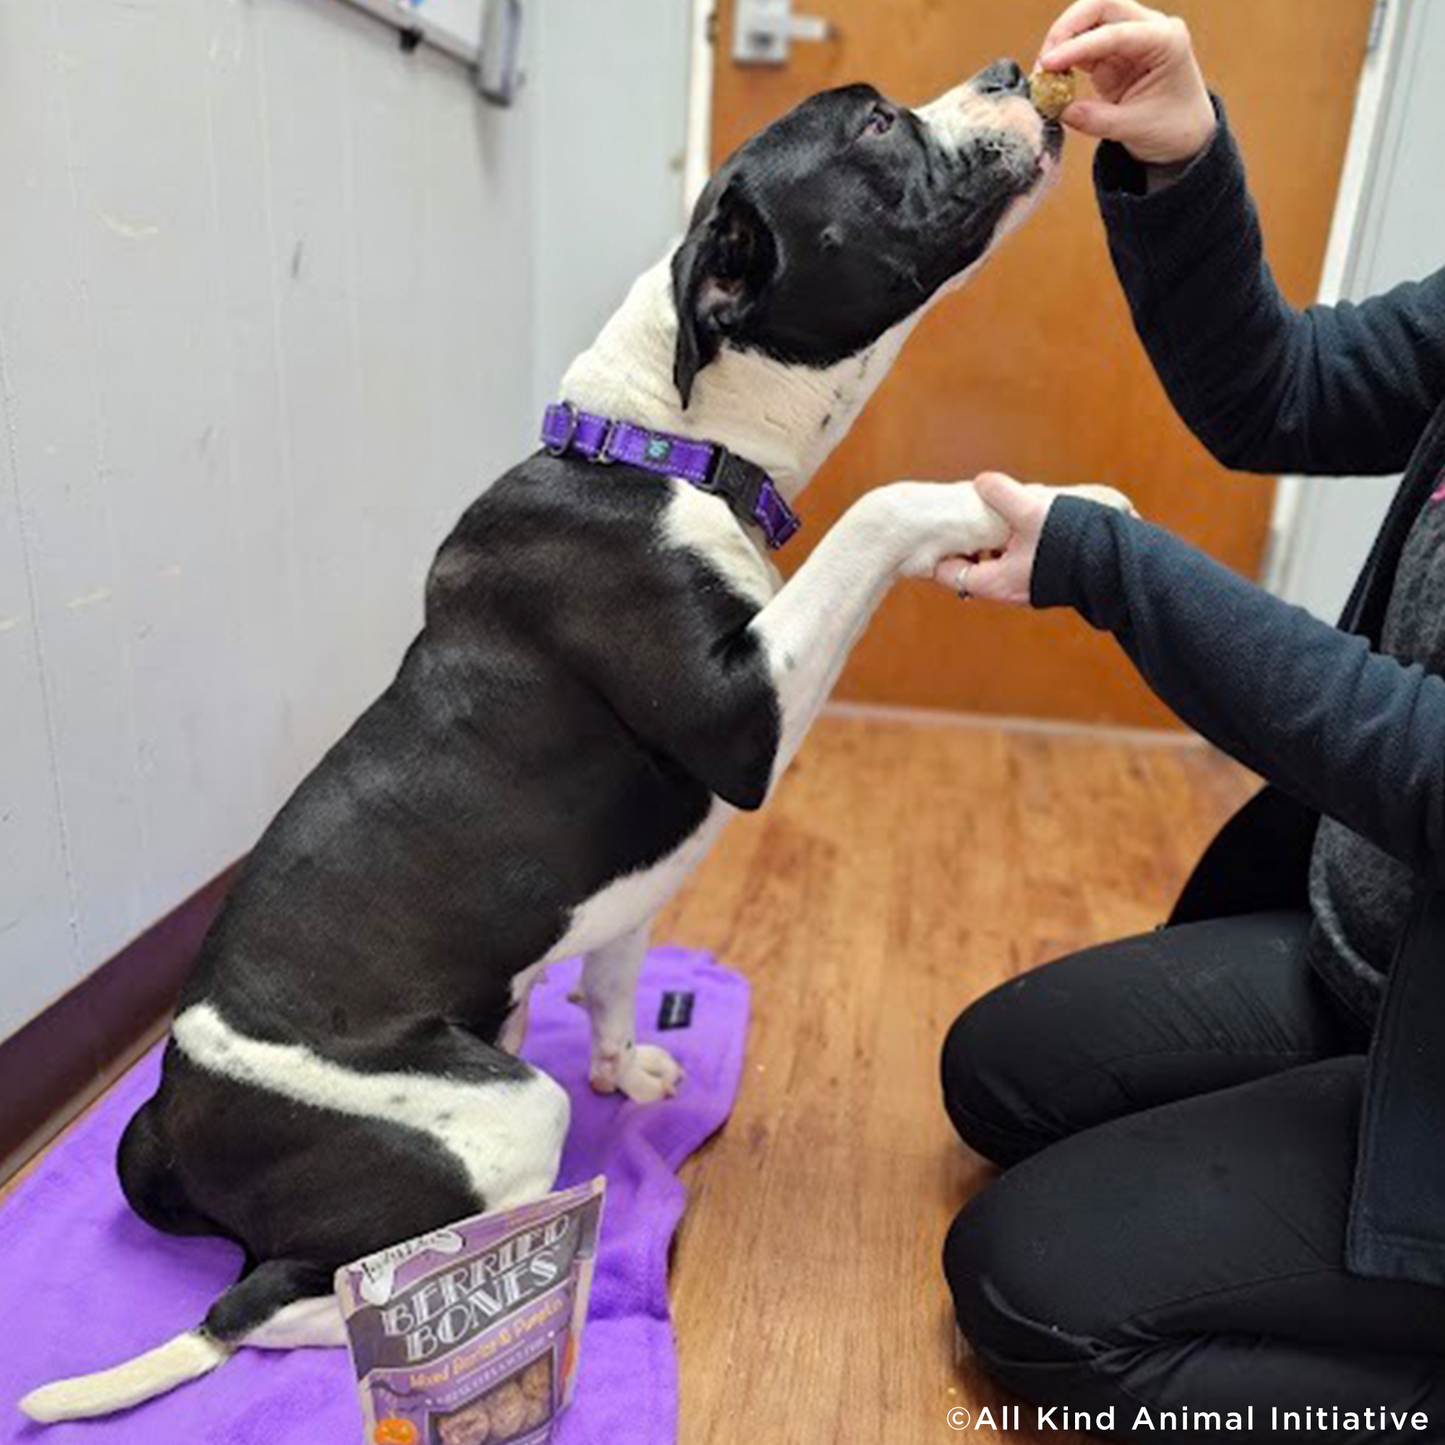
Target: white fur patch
x,y
508,1135
706,525
962,112
783,418
305,1323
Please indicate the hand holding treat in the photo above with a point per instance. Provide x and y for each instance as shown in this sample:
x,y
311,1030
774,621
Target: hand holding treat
x,y
1150,95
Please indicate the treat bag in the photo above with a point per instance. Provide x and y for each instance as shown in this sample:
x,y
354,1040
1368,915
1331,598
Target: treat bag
x,y
469,1335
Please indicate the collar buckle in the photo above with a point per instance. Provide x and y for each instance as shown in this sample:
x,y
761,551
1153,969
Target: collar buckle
x,y
563,444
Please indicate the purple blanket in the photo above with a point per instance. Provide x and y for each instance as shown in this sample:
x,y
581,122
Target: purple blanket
x,y
86,1284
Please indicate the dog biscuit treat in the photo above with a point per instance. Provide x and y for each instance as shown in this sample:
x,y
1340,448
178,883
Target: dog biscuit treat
x,y
508,1408
537,1379
1052,92
469,1335
471,1425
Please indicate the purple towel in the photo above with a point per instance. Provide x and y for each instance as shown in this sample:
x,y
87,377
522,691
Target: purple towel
x,y
85,1284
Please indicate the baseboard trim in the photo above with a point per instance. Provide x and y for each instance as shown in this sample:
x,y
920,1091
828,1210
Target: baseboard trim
x,y
1007,723
61,1061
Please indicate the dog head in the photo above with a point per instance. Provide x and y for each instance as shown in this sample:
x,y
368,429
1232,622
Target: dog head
x,y
849,214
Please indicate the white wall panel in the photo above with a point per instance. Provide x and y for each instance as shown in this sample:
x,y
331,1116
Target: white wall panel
x,y
64,509
270,298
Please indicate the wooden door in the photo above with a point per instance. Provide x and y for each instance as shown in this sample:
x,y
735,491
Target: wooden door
x,y
1034,368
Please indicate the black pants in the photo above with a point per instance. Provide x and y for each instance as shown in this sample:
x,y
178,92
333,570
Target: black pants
x,y
1177,1114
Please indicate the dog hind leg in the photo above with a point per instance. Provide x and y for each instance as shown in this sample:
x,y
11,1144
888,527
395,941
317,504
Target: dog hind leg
x,y
448,1127
148,1180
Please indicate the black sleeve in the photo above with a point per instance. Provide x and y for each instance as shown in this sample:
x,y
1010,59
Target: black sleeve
x,y
1332,390
1352,733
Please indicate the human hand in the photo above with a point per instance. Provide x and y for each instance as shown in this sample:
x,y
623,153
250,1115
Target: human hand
x,y
1151,96
1008,577
1024,510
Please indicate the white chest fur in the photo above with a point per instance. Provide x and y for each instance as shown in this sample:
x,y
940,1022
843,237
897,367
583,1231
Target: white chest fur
x,y
706,525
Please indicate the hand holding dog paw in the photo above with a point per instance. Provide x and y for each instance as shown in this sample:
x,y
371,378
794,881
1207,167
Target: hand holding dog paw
x,y
1151,96
1025,510
1007,577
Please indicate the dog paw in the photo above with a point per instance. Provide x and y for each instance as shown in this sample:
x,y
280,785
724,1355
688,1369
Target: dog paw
x,y
934,520
1105,496
643,1073
654,1074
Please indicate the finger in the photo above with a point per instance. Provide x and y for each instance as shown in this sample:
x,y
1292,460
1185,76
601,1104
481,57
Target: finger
x,y
1131,40
951,572
1010,499
1086,14
1098,118
989,581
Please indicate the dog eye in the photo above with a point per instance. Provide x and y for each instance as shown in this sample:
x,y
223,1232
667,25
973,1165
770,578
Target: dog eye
x,y
880,121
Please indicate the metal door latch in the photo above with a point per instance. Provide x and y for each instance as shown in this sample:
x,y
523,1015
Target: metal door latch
x,y
764,31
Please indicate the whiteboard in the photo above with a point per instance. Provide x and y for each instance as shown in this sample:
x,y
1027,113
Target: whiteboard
x,y
451,25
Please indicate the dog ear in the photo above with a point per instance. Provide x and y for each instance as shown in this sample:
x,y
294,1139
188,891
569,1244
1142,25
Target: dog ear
x,y
719,273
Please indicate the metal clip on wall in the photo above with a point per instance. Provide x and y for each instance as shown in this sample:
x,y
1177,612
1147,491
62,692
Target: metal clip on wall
x,y
499,68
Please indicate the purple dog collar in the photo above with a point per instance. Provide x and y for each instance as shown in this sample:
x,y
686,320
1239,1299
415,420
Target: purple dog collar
x,y
746,488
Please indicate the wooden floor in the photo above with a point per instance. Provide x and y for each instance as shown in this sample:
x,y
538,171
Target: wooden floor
x,y
902,870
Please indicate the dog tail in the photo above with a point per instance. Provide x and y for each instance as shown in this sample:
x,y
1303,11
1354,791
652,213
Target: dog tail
x,y
187,1357
281,1304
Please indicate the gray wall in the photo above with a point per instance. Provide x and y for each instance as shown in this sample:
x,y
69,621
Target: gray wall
x,y
611,92
271,296
1396,233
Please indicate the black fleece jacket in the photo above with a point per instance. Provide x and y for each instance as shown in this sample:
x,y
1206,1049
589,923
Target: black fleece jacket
x,y
1343,390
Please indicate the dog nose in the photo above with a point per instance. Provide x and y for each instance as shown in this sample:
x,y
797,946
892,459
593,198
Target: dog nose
x,y
1003,77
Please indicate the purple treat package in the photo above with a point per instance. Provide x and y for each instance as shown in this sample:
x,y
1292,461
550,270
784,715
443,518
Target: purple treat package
x,y
469,1335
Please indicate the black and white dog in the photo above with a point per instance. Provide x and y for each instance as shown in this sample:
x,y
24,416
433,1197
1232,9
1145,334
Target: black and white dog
x,y
609,668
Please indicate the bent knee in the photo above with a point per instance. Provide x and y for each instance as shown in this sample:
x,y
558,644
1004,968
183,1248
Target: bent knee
x,y
1011,1298
994,1074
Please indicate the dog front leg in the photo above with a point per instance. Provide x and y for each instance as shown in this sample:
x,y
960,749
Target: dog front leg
x,y
807,631
609,992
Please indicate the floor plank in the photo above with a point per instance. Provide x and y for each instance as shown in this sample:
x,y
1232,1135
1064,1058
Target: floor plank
x,y
901,870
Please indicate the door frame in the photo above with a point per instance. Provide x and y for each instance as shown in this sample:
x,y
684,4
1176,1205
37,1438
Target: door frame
x,y
697,156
